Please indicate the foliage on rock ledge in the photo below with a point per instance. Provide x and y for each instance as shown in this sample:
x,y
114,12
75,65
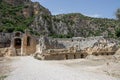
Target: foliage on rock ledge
x,y
63,25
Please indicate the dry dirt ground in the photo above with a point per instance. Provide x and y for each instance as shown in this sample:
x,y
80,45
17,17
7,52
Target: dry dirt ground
x,y
91,68
4,67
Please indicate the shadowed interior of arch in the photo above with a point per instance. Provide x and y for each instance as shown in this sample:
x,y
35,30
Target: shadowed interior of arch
x,y
17,43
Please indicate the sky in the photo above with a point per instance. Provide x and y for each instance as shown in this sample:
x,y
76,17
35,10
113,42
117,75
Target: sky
x,y
92,8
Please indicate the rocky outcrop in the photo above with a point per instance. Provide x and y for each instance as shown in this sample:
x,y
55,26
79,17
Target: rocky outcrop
x,y
103,46
4,52
73,25
32,15
17,15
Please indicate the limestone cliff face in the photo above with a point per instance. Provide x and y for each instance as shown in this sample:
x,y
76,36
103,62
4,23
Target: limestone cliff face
x,y
17,2
30,8
74,24
22,14
17,15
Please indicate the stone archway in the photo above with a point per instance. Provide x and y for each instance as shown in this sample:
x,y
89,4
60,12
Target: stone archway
x,y
17,43
74,56
66,56
82,55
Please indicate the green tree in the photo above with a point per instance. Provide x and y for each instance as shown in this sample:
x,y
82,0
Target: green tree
x,y
118,13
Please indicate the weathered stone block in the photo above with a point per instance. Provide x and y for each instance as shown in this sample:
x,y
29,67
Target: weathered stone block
x,y
78,56
70,56
55,57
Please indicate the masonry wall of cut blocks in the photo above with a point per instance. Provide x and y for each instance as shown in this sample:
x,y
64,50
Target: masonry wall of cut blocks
x,y
20,44
46,48
75,48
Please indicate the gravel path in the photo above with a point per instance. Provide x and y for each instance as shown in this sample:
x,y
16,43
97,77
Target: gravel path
x,y
4,67
28,68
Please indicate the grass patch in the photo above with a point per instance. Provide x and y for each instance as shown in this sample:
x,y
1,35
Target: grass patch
x,y
3,77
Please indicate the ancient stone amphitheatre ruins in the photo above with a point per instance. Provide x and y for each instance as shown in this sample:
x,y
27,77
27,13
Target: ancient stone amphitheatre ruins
x,y
23,54
36,44
46,48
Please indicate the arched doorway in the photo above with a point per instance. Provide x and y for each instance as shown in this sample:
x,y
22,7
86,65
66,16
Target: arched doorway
x,y
74,56
82,55
66,56
17,43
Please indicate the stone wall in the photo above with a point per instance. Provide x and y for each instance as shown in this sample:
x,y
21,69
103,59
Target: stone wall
x,y
4,51
76,47
28,46
46,43
79,42
15,48
5,39
104,47
91,42
60,56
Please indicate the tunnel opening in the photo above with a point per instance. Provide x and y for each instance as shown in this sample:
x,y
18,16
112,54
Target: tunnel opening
x,y
17,43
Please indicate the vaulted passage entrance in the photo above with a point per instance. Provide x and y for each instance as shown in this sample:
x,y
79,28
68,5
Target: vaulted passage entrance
x,y
17,43
82,55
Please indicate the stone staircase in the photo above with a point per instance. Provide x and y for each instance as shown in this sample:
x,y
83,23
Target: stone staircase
x,y
3,51
18,52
